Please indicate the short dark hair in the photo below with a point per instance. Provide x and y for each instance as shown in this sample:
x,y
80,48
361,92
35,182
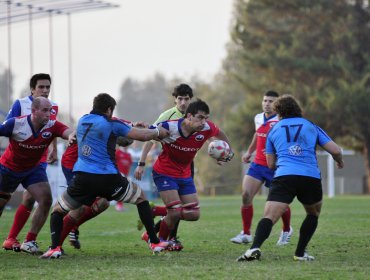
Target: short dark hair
x,y
39,76
196,106
102,102
182,90
271,93
287,106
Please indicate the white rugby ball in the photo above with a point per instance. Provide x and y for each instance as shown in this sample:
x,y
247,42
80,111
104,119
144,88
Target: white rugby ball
x,y
218,149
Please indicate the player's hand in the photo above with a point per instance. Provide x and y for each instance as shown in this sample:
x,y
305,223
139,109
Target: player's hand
x,y
163,133
72,138
246,158
229,157
52,156
139,171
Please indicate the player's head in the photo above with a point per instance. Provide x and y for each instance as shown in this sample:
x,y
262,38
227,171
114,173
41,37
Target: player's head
x,y
269,98
41,110
104,104
183,93
197,114
40,85
287,106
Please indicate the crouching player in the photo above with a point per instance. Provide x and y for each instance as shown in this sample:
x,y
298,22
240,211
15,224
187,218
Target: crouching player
x,y
96,172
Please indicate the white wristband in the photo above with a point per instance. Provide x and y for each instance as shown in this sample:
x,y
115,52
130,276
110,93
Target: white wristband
x,y
157,131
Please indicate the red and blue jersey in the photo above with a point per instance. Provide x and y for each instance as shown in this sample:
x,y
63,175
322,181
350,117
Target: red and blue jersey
x,y
263,126
27,146
22,107
176,157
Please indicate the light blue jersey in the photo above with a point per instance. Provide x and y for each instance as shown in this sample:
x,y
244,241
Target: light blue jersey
x,y
294,141
96,139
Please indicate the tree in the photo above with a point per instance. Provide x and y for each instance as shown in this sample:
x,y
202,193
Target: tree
x,y
316,50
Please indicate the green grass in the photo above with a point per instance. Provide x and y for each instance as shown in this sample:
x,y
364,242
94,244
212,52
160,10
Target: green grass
x,y
112,249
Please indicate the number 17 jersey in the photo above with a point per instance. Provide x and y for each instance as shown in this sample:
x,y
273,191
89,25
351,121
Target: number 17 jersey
x,y
294,141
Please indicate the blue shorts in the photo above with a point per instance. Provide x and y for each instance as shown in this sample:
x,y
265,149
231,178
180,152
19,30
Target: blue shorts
x,y
10,180
183,186
262,173
68,174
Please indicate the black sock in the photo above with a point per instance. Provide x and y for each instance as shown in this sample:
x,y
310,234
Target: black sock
x,y
56,227
145,214
173,233
157,226
306,231
262,232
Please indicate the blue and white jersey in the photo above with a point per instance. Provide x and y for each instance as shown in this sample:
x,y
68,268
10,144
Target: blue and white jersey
x,y
22,107
294,141
96,139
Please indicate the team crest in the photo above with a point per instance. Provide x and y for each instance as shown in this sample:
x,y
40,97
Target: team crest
x,y
199,137
272,124
86,150
46,134
53,112
295,150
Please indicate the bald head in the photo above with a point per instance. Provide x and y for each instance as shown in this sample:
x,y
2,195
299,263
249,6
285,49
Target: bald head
x,y
39,102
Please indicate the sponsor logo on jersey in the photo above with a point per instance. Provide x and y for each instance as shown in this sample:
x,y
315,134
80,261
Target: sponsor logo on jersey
x,y
46,134
32,147
184,149
295,150
86,150
199,137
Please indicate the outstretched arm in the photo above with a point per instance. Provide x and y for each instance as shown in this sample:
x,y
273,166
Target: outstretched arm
x,y
336,152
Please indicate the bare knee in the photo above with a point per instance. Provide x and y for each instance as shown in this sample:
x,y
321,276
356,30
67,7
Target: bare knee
x,y
190,211
100,205
27,200
247,197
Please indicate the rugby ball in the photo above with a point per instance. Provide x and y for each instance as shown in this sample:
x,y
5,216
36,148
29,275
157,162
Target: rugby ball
x,y
218,149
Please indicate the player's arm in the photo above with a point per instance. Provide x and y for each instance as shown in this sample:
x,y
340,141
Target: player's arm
x,y
139,170
70,135
271,161
53,152
251,148
336,152
146,134
15,111
6,128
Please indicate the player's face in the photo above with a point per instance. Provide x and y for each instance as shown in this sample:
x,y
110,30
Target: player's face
x,y
267,104
182,103
43,113
198,120
42,89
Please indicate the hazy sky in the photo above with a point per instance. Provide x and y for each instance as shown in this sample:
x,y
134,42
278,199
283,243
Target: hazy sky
x,y
173,37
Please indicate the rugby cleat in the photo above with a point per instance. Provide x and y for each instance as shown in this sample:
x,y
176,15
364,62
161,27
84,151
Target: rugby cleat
x,y
52,253
242,238
285,237
250,255
304,258
159,247
73,238
175,245
12,244
30,247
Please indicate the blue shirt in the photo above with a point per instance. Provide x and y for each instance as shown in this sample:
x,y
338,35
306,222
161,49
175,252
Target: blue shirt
x,y
96,139
294,141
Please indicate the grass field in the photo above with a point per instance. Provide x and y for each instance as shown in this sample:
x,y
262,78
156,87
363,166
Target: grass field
x,y
112,249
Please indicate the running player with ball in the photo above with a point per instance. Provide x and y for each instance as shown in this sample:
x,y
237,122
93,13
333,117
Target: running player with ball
x,y
171,171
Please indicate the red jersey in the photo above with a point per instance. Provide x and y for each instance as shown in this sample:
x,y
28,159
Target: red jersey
x,y
263,125
27,146
124,161
70,156
176,157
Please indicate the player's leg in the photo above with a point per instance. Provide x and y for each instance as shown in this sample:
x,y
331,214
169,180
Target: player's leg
x,y
42,194
75,218
251,186
310,194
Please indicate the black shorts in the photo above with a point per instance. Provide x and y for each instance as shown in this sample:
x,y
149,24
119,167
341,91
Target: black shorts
x,y
308,190
85,187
